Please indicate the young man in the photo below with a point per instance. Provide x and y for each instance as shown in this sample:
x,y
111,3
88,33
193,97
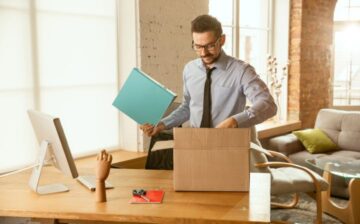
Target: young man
x,y
216,86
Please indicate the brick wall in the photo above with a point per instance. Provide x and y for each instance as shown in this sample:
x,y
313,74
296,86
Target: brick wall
x,y
165,39
311,28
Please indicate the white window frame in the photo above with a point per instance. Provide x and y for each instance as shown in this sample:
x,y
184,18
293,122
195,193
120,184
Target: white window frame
x,y
131,138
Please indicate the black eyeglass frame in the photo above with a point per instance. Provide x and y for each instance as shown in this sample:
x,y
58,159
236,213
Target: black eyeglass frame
x,y
209,47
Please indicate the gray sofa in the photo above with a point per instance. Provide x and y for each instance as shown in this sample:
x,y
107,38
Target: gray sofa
x,y
342,127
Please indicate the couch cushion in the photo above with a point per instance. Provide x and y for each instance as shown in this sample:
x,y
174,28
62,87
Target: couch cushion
x,y
286,144
291,180
315,140
342,127
329,120
349,136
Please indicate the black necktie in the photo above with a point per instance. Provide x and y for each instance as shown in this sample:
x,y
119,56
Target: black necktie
x,y
206,117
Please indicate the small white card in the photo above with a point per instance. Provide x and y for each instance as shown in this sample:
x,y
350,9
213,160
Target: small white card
x,y
163,145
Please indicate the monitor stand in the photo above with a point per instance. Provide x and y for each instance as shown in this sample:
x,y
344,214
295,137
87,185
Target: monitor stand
x,y
35,176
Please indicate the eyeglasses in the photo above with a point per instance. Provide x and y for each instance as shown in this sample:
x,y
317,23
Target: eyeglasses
x,y
208,47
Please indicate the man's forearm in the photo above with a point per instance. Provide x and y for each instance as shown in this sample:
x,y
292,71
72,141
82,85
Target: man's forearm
x,y
177,117
256,114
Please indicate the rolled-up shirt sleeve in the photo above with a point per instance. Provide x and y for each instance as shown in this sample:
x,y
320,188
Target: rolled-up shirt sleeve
x,y
263,106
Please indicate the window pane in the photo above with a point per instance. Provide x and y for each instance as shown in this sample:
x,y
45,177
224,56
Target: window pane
x,y
222,10
253,49
346,80
15,55
17,142
228,47
76,50
341,11
355,3
17,146
340,69
347,10
355,13
347,67
19,4
254,13
83,7
87,115
77,66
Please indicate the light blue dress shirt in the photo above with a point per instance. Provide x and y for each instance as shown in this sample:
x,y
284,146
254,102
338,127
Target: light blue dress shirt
x,y
232,82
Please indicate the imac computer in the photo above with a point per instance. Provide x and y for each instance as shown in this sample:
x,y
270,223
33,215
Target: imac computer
x,y
54,149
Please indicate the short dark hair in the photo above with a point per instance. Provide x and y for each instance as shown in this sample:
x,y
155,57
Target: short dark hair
x,y
205,23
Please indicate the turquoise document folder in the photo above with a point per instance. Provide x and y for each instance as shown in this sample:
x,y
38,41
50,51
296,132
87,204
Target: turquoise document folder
x,y
143,99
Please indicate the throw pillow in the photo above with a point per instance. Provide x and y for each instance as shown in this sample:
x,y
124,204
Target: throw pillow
x,y
315,140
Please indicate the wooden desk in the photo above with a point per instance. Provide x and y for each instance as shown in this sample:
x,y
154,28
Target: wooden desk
x,y
17,200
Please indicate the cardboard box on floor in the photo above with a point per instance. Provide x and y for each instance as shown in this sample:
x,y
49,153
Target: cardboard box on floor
x,y
211,159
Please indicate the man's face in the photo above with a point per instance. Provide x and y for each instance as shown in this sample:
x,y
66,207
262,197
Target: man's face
x,y
208,46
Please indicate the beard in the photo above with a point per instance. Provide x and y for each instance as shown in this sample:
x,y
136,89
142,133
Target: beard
x,y
209,58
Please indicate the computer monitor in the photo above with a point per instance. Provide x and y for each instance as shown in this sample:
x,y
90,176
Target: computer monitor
x,y
53,147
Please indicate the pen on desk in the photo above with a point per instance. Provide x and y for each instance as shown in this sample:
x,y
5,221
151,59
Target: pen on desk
x,y
145,198
141,193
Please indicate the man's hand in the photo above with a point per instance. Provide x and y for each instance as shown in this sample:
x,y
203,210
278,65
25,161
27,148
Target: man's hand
x,y
228,123
151,130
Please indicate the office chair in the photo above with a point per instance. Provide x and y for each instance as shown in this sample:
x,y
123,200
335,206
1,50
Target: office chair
x,y
161,159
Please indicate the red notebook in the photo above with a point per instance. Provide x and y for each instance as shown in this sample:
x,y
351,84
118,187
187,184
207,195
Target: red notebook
x,y
155,196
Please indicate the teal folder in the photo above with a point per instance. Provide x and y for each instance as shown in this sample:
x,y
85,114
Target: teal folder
x,y
143,99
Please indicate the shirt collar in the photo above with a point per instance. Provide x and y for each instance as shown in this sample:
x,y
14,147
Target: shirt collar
x,y
221,63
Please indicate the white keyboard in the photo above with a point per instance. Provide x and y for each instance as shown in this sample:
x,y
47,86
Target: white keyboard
x,y
89,181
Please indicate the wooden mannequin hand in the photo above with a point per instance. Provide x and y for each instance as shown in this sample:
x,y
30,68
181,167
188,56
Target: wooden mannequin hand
x,y
103,165
102,171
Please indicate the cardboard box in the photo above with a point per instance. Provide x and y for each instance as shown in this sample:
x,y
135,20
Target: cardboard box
x,y
211,159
